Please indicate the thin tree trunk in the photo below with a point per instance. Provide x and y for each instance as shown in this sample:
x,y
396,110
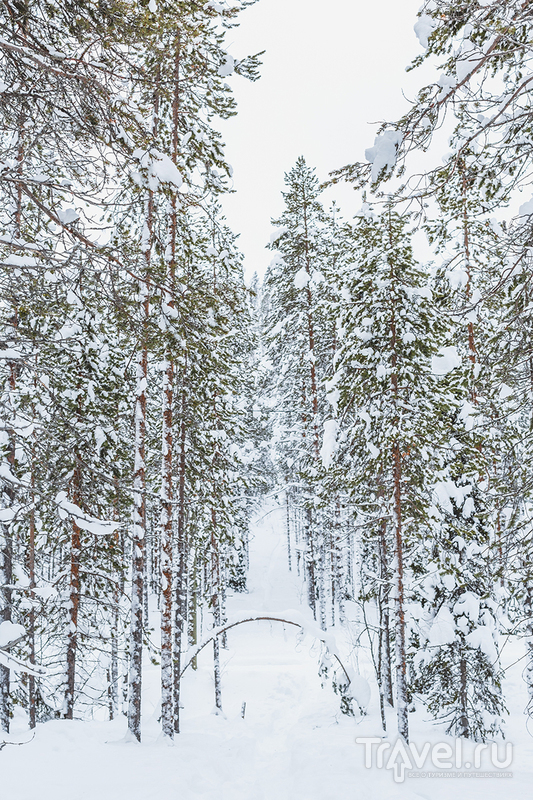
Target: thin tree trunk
x,y
5,616
7,549
528,613
181,571
310,561
74,599
288,524
340,580
217,619
167,709
385,660
464,727
401,660
7,582
138,550
32,710
193,611
399,627
113,709
322,585
167,512
333,571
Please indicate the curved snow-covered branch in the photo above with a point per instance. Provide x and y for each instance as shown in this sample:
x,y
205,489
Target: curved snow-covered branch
x,y
304,625
17,744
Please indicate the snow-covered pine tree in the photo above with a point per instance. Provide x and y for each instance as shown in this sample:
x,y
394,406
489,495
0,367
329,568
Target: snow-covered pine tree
x,y
459,665
188,67
390,415
300,339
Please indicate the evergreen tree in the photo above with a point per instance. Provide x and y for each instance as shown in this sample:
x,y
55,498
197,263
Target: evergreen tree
x,y
391,409
300,339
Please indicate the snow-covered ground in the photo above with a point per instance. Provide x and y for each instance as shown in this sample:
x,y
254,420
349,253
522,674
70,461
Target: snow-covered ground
x,y
293,744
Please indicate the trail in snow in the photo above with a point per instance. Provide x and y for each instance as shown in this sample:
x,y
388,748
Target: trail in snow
x,y
293,743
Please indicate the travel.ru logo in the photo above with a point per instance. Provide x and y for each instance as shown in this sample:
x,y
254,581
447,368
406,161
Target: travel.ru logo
x,y
450,761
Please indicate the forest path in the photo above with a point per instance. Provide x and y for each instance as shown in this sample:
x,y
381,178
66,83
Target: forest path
x,y
291,745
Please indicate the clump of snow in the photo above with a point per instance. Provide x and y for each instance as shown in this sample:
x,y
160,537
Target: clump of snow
x,y
68,216
302,278
84,521
446,359
526,209
482,639
10,353
9,632
226,69
278,233
468,415
164,169
505,391
447,83
160,169
384,153
442,631
457,277
329,443
468,604
423,28
449,490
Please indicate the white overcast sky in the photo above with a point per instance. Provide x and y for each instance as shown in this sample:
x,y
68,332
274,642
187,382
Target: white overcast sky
x,y
331,69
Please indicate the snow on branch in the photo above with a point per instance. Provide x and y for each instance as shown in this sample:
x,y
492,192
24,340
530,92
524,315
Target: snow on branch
x,y
86,522
10,635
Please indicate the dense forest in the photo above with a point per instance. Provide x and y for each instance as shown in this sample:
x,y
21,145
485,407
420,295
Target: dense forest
x,y
378,382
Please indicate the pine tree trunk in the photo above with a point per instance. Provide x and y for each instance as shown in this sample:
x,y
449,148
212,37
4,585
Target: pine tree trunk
x,y
32,710
528,612
167,708
114,661
74,599
114,706
6,554
310,561
332,548
167,513
385,660
138,531
463,726
181,571
5,616
401,657
340,581
288,524
193,611
217,618
399,627
138,549
322,586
